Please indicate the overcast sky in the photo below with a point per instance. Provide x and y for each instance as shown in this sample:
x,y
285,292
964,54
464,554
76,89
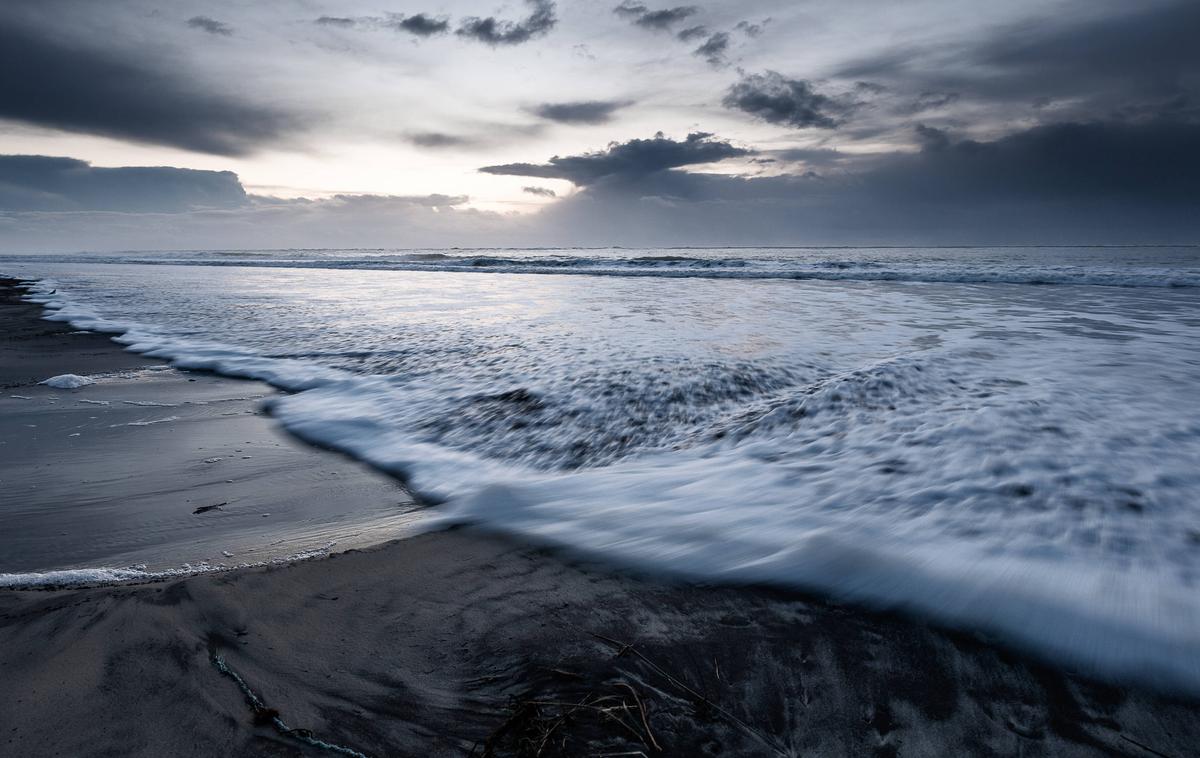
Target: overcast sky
x,y
138,125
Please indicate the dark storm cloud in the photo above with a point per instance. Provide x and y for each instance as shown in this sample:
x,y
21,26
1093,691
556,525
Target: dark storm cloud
x,y
1137,60
627,160
581,112
692,33
658,20
41,183
210,25
494,32
540,191
1140,164
1068,183
774,98
713,49
419,24
46,81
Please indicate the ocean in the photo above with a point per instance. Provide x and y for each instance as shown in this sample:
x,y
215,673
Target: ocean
x,y
1002,439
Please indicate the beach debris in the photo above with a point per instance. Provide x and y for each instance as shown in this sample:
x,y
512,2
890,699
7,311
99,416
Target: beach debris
x,y
67,381
554,725
701,701
264,715
21,397
213,507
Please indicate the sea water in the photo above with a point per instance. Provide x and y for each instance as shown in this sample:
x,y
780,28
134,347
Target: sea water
x,y
1004,439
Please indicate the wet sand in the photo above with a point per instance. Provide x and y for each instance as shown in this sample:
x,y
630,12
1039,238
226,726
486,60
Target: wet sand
x,y
160,467
458,642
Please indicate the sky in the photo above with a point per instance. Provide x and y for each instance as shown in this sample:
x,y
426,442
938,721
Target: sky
x,y
128,125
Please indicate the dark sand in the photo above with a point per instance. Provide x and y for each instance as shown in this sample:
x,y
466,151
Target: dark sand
x,y
456,642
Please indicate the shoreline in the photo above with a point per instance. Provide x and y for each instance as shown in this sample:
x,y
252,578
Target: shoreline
x,y
456,641
174,471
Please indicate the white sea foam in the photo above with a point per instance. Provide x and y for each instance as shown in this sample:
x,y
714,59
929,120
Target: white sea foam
x,y
138,574
152,421
1014,459
67,381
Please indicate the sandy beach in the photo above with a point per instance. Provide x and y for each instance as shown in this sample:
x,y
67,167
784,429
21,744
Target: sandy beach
x,y
453,643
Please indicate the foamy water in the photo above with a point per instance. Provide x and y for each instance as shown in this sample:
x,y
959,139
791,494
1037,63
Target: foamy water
x,y
1004,439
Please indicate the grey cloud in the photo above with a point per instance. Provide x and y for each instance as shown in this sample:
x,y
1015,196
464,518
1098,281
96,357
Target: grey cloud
x,y
343,220
932,138
750,29
658,20
813,156
419,24
42,183
439,139
778,100
494,32
630,9
627,160
389,201
540,191
49,82
714,48
581,112
928,101
210,25
692,33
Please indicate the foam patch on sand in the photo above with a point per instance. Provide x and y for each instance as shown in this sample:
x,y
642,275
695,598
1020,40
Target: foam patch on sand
x,y
67,381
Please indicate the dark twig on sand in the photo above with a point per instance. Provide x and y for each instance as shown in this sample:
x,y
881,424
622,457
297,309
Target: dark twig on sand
x,y
207,508
1147,748
642,710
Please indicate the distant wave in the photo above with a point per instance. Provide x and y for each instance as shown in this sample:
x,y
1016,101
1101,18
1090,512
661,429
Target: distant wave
x,y
945,270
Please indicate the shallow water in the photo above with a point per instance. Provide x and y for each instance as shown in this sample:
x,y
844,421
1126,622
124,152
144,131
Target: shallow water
x,y
984,435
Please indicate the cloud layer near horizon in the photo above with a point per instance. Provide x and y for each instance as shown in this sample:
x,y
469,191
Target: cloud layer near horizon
x,y
1069,183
